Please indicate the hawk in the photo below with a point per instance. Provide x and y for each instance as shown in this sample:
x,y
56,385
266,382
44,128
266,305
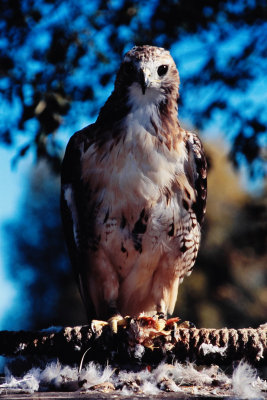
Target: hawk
x,y
134,193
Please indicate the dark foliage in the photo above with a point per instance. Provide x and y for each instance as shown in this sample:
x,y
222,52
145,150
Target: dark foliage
x,y
57,56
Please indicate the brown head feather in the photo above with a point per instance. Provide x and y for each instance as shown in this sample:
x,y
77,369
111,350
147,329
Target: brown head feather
x,y
165,95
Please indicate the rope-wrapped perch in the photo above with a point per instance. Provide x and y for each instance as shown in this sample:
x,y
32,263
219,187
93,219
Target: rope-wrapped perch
x,y
136,344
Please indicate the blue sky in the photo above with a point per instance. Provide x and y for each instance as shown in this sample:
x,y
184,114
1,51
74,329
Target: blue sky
x,y
11,188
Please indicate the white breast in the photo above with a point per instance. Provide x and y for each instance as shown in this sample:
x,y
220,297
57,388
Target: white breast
x,y
137,168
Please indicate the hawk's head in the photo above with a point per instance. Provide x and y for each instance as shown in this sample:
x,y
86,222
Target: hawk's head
x,y
148,72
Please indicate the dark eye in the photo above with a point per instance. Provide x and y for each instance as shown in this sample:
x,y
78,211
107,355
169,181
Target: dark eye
x,y
128,68
162,70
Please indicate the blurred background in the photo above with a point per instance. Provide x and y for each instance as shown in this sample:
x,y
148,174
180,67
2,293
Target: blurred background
x,y
58,60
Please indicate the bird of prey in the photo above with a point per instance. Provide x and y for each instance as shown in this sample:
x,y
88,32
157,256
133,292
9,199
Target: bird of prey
x,y
134,194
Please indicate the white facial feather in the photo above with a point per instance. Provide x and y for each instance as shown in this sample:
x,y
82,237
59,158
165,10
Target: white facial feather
x,y
144,107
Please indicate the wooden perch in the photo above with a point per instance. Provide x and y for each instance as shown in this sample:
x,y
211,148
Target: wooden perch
x,y
139,343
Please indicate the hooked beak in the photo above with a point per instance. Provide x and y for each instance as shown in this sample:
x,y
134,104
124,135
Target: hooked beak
x,y
144,79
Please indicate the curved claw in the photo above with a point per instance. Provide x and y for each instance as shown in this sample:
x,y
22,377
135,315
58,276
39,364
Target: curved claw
x,y
97,325
116,321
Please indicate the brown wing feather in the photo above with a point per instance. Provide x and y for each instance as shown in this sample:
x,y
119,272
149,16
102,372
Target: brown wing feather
x,y
190,228
76,235
199,206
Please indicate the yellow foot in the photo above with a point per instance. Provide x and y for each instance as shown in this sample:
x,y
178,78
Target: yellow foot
x,y
177,323
171,322
155,323
97,325
116,321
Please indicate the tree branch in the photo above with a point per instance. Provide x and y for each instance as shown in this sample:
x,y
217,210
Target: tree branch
x,y
138,343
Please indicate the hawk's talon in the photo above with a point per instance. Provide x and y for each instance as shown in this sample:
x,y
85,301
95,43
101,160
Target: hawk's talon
x,y
115,321
97,325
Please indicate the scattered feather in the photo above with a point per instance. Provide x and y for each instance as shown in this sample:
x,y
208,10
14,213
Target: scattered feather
x,y
94,374
139,351
211,349
183,378
27,384
243,381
